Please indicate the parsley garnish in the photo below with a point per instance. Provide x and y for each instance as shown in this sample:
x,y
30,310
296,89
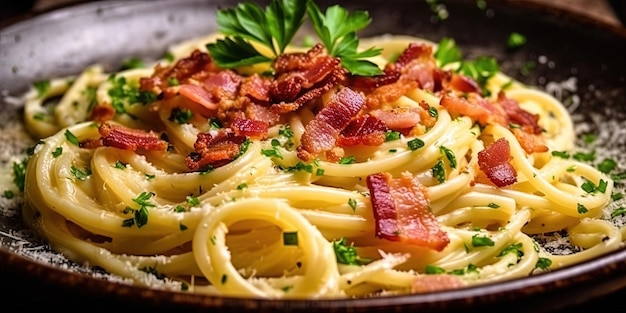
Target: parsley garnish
x,y
71,137
618,212
433,269
415,144
132,63
447,52
347,254
80,174
290,238
347,160
42,87
439,172
392,135
275,27
19,174
449,155
543,263
140,216
515,40
581,209
481,241
57,152
180,116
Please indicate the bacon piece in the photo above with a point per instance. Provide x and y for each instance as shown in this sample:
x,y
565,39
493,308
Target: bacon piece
x,y
438,282
125,138
198,95
102,112
530,142
415,67
478,109
463,83
365,130
256,88
196,66
249,128
402,212
494,161
399,118
302,77
261,113
517,115
214,151
224,84
320,134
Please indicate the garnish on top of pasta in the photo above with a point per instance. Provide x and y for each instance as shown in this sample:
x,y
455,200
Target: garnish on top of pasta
x,y
244,165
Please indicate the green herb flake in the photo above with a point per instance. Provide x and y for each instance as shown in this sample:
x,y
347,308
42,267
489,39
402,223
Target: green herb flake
x,y
449,155
482,241
607,165
447,52
57,152
290,238
347,160
19,174
515,40
71,138
493,205
132,63
561,154
581,209
515,248
119,165
192,201
439,172
392,135
42,87
347,254
180,116
352,204
415,144
585,156
81,175
8,194
621,211
433,270
543,263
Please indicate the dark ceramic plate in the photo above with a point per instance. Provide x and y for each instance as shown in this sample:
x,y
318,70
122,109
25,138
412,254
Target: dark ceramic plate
x,y
560,46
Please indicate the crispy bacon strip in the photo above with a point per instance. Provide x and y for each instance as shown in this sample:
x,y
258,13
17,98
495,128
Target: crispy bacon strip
x,y
214,151
402,212
302,77
194,67
320,135
249,128
121,137
494,161
365,130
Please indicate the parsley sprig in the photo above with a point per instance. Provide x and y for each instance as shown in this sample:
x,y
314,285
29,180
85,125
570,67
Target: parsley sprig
x,y
275,27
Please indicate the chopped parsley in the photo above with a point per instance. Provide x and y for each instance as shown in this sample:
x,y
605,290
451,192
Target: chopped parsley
x,y
515,40
290,238
42,87
347,254
71,138
482,241
140,216
415,144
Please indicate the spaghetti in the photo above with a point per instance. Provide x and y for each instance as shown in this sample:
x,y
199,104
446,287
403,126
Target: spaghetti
x,y
280,213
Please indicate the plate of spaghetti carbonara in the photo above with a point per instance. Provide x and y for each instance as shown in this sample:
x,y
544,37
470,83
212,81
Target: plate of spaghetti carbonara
x,y
313,154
